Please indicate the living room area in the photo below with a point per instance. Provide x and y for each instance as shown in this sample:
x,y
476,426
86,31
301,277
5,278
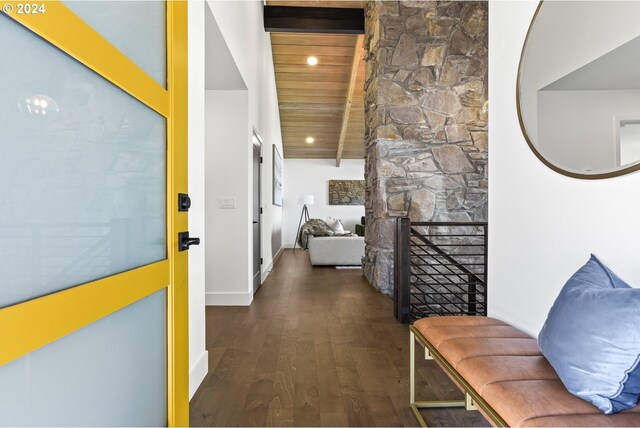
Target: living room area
x,y
333,200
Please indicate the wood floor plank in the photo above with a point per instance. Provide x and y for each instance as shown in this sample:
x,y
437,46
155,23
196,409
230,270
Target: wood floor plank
x,y
329,391
317,347
306,411
383,411
256,406
282,396
373,368
337,419
358,413
280,417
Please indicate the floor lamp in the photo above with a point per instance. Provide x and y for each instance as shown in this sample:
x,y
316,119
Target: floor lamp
x,y
304,200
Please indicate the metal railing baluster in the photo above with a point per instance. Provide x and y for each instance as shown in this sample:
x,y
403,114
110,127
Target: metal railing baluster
x,y
442,271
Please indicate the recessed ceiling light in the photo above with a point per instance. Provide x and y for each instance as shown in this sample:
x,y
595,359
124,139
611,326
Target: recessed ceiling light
x,y
310,140
312,60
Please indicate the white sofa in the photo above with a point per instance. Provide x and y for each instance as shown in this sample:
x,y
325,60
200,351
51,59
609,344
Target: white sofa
x,y
336,250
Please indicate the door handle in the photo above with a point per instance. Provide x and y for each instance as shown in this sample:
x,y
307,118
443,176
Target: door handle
x,y
255,222
184,241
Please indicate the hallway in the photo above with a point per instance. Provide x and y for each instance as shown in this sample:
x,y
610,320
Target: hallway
x,y
317,347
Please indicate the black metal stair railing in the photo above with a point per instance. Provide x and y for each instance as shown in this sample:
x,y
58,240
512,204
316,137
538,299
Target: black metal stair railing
x,y
440,268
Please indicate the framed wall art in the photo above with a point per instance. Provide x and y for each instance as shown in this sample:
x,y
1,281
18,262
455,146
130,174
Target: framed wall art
x,y
277,177
346,192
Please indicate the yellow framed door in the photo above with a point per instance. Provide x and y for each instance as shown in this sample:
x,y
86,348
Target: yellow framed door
x,y
47,305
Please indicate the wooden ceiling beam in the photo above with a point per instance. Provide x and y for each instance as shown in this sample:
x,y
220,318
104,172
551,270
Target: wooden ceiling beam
x,y
357,56
325,20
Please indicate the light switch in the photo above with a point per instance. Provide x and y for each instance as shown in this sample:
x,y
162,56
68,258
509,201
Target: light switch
x,y
227,203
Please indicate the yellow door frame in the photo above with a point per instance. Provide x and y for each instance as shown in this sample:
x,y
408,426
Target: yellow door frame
x,y
27,326
177,167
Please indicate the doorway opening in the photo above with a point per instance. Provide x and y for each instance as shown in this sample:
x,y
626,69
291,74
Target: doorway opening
x,y
256,211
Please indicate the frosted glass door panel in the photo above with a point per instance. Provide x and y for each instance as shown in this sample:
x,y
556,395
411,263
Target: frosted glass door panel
x,y
110,373
136,28
82,172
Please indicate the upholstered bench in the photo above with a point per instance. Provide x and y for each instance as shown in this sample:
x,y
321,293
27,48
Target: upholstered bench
x,y
503,375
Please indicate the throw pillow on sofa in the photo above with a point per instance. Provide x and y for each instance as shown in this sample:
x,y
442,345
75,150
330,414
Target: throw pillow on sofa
x,y
335,224
592,338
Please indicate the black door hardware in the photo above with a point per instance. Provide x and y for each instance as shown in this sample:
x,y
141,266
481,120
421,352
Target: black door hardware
x,y
184,202
184,242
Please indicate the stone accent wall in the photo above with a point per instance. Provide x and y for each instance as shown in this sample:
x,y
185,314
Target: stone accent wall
x,y
426,120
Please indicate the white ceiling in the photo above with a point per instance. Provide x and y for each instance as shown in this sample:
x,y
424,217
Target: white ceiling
x,y
617,69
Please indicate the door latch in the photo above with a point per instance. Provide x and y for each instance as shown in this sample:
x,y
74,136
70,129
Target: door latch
x,y
184,202
184,241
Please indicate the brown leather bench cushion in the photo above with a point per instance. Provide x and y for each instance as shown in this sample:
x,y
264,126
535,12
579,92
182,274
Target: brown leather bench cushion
x,y
505,366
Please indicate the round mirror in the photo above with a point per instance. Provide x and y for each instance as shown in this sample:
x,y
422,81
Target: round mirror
x,y
579,87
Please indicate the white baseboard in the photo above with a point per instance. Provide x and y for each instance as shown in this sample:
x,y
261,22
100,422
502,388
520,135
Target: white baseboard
x,y
198,372
234,298
267,270
221,298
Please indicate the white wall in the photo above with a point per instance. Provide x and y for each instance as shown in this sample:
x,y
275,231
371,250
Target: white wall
x,y
543,225
226,176
198,358
240,24
577,129
311,177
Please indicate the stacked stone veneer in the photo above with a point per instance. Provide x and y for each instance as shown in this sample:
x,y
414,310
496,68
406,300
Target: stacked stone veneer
x,y
426,120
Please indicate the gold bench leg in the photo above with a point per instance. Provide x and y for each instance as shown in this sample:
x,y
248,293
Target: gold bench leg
x,y
427,354
468,402
412,367
417,405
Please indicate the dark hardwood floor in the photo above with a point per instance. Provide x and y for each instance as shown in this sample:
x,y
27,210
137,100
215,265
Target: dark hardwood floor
x,y
317,347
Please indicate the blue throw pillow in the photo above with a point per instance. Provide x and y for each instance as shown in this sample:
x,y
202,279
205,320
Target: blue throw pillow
x,y
592,338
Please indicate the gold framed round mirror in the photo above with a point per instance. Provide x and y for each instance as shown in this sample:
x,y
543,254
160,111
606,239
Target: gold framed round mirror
x,y
578,87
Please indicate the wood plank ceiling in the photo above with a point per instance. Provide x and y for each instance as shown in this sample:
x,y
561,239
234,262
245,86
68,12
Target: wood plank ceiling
x,y
312,99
